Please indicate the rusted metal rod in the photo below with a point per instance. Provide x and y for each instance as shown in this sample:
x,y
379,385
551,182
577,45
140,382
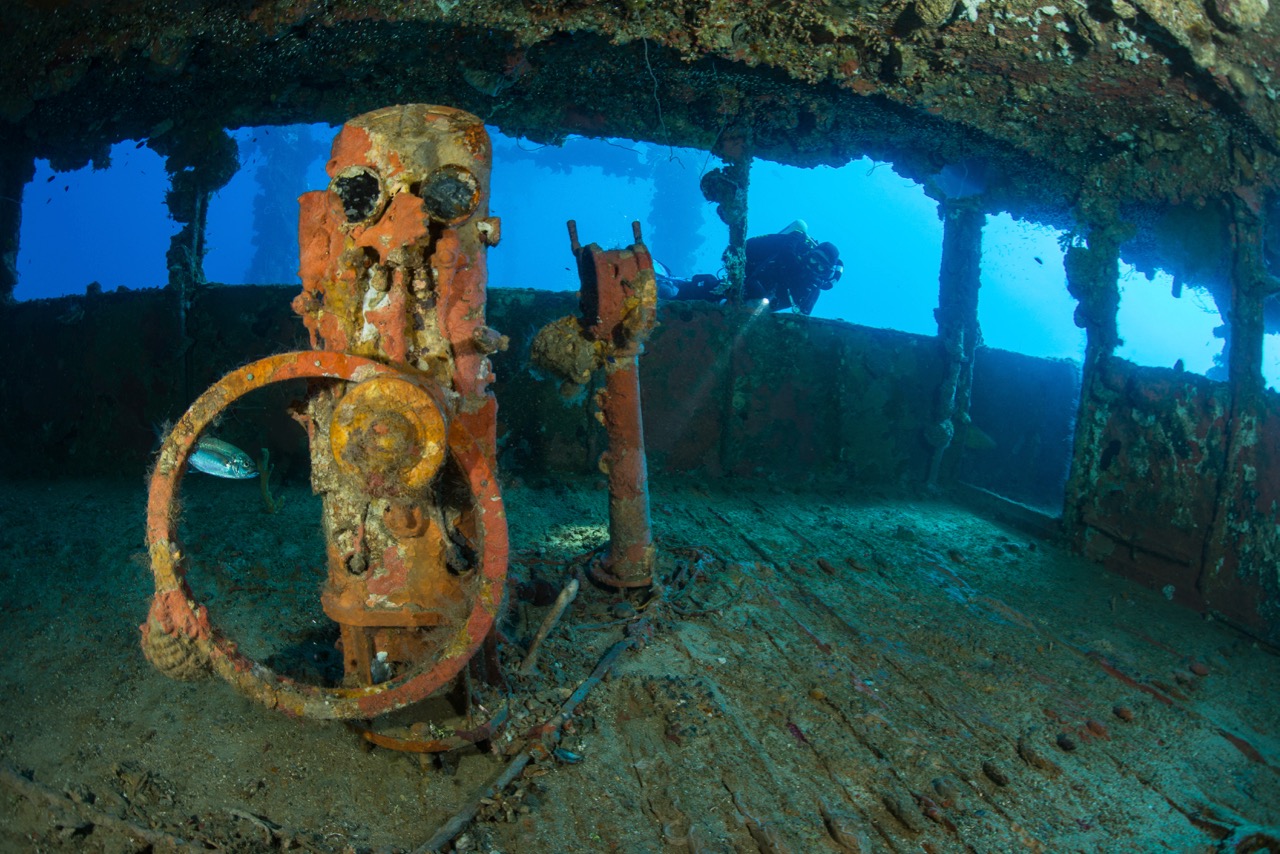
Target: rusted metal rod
x,y
539,736
562,603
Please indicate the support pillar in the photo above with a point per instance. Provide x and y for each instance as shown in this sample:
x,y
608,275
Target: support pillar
x,y
1093,274
727,188
16,170
1239,494
957,317
199,161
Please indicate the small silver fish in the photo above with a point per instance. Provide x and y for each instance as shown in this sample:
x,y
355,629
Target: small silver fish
x,y
221,459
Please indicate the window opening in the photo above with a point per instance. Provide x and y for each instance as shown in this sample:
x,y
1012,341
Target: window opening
x,y
1026,386
107,226
251,234
886,228
605,185
1024,305
1159,328
1271,360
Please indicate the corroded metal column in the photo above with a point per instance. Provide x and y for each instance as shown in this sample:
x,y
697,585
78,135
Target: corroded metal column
x,y
199,162
618,302
15,171
1244,501
727,188
957,316
1093,272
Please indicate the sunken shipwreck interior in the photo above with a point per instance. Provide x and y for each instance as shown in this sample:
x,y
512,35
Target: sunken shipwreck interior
x,y
517,569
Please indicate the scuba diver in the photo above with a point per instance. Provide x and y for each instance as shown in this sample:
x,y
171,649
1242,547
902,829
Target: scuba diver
x,y
786,270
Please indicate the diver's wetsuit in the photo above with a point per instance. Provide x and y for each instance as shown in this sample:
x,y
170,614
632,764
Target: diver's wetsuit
x,y
777,270
702,286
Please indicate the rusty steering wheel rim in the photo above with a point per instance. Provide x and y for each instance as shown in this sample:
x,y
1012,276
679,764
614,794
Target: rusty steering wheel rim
x,y
175,610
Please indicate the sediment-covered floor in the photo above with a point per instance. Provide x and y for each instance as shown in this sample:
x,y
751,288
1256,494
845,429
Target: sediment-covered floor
x,y
829,671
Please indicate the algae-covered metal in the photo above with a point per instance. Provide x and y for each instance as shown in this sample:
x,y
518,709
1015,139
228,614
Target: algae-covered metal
x,y
618,303
402,433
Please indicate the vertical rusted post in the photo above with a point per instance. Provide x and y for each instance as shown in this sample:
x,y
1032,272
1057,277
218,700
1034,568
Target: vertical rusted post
x,y
1249,289
727,188
15,171
618,301
957,316
1093,273
630,561
199,161
1236,507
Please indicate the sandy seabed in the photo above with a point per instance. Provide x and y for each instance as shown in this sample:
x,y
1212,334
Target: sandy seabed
x,y
841,671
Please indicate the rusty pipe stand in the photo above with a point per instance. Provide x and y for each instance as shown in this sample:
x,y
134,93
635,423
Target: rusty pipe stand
x,y
618,301
630,559
618,304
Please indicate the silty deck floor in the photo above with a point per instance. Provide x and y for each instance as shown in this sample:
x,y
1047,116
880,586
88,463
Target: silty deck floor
x,y
847,672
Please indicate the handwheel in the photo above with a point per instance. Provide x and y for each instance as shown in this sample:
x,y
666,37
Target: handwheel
x,y
179,637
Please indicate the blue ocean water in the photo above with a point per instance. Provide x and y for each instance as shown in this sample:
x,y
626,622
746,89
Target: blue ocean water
x,y
887,230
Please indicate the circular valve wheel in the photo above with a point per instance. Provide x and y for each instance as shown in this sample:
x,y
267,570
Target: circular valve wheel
x,y
178,637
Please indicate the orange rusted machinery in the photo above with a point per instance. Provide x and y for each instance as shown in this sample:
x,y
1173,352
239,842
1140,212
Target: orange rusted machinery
x,y
400,419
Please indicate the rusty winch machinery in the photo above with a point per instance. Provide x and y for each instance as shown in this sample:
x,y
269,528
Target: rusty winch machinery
x,y
402,427
400,419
